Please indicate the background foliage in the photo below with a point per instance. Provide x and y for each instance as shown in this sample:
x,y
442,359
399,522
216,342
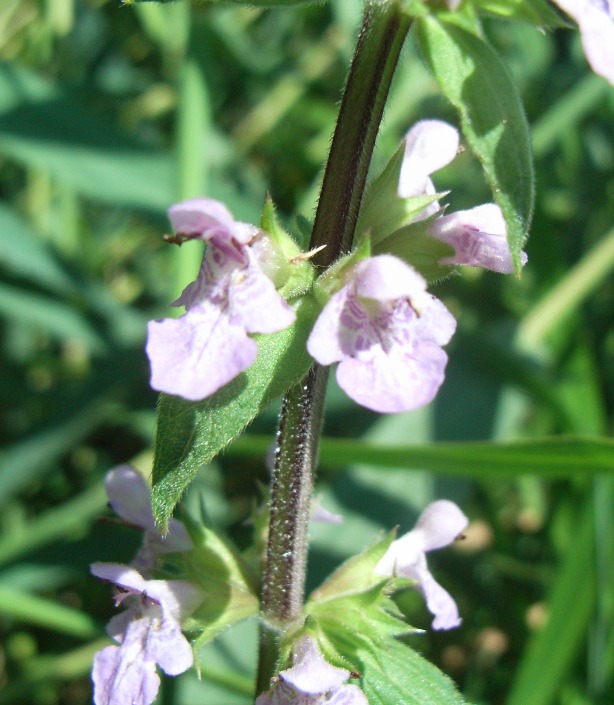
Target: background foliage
x,y
109,114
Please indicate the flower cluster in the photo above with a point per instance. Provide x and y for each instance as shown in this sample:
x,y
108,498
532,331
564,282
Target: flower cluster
x,y
377,320
148,631
386,331
439,525
312,681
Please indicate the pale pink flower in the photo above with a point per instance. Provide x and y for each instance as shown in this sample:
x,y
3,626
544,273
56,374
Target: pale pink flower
x,y
386,332
195,355
479,238
438,525
429,146
312,681
202,218
148,632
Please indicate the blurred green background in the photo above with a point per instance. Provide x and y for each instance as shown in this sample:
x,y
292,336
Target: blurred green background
x,y
108,115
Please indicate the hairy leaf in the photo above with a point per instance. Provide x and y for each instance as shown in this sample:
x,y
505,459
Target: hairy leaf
x,y
475,81
400,676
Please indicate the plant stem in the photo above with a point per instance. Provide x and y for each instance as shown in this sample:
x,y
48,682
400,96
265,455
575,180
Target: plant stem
x,y
298,435
286,560
381,37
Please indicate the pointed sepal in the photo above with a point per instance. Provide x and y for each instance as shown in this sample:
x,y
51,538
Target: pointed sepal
x,y
229,584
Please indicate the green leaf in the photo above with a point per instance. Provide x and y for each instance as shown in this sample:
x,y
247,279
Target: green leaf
x,y
476,82
559,457
229,585
52,130
49,128
551,651
25,462
47,668
56,317
189,435
400,676
71,518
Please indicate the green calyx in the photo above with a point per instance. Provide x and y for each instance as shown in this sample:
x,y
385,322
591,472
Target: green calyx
x,y
228,582
396,225
335,277
383,211
281,258
352,613
413,244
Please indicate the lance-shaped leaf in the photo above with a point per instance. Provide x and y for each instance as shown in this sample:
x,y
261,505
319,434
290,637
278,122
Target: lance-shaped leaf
x,y
189,435
558,457
475,81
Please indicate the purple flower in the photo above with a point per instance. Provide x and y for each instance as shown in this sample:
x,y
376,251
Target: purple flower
x,y
148,633
429,146
478,235
386,333
195,355
130,497
312,681
438,525
595,19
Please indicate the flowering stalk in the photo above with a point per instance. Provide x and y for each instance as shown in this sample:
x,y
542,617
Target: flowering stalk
x,y
383,32
291,488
